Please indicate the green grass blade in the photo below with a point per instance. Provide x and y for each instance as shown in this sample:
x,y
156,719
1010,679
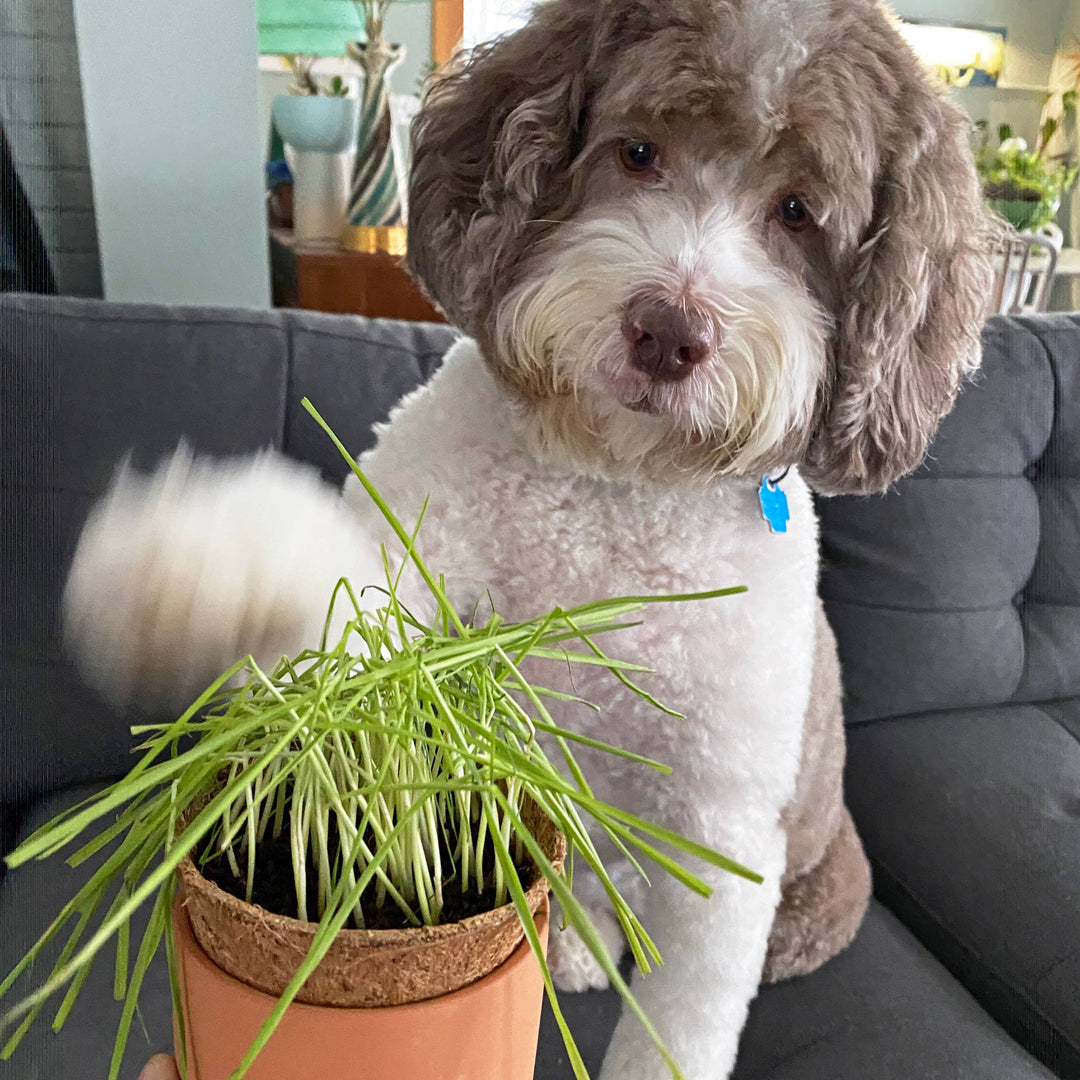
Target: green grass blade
x,y
177,997
683,844
331,923
436,591
195,831
151,939
578,918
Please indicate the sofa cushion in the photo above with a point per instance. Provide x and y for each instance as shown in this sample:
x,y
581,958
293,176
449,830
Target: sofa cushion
x,y
883,1009
972,820
332,365
1050,606
30,897
9,819
82,383
930,588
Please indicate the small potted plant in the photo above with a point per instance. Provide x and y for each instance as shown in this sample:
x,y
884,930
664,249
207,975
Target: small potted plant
x,y
318,122
349,856
314,116
1026,186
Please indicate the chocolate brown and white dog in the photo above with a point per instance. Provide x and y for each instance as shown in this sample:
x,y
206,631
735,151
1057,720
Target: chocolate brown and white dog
x,y
693,244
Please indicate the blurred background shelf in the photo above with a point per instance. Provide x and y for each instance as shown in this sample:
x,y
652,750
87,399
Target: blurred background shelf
x,y
327,278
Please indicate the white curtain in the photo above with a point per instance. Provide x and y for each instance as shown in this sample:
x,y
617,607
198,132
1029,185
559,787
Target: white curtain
x,y
485,19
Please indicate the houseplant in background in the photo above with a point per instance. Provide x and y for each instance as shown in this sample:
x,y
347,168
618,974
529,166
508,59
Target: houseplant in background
x,y
318,123
395,777
1025,186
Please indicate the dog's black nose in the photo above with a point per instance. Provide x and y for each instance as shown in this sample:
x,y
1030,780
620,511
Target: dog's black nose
x,y
666,342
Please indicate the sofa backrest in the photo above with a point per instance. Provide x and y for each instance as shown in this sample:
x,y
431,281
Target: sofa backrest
x,y
961,586
82,383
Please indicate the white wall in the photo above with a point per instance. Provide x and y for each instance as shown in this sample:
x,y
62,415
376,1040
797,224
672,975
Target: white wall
x,y
1032,28
170,94
1070,22
410,25
486,19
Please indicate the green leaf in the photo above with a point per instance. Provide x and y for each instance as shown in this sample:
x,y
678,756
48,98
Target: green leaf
x,y
151,939
1048,130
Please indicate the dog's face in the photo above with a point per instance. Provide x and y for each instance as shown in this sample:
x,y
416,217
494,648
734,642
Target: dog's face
x,y
708,237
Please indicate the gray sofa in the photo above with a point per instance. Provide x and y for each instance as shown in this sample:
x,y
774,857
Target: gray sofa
x,y
955,599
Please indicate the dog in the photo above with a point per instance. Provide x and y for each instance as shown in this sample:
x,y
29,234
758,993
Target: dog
x,y
704,251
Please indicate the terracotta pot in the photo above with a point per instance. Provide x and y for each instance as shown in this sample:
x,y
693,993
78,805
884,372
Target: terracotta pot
x,y
363,968
460,1001
485,1031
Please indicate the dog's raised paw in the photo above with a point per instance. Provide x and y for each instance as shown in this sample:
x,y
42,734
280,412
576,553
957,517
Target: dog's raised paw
x,y
182,573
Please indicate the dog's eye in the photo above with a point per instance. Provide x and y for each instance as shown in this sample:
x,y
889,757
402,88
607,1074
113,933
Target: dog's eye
x,y
639,157
792,213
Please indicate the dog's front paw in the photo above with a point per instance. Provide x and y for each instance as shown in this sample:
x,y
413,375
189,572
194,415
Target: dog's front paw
x,y
573,966
180,574
632,1055
698,1048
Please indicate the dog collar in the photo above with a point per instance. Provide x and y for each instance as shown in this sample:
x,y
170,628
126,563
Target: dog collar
x,y
774,507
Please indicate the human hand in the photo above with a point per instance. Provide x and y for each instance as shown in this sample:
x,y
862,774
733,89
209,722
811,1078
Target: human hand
x,y
160,1067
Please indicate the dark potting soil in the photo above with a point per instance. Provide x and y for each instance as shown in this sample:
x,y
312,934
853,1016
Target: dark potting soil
x,y
275,890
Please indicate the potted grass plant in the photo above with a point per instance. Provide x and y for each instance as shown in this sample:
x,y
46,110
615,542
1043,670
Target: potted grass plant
x,y
349,856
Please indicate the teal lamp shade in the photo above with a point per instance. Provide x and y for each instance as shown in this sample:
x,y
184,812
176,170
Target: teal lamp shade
x,y
311,27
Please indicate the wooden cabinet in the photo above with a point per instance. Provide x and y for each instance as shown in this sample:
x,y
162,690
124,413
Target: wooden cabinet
x,y
327,278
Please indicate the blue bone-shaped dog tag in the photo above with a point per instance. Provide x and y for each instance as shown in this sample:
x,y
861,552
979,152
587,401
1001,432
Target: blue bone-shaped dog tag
x,y
774,507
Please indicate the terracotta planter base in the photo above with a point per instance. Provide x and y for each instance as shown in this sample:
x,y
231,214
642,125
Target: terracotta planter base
x,y
485,1031
363,968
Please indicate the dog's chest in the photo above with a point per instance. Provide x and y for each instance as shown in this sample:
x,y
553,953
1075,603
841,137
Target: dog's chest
x,y
538,535
499,520
569,540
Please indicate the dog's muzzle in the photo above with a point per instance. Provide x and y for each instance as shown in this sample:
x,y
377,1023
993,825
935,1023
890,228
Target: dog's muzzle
x,y
665,341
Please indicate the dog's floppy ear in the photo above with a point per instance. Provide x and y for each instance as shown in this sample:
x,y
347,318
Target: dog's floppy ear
x,y
492,147
915,298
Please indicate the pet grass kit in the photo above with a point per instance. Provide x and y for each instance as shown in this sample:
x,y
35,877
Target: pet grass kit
x,y
349,855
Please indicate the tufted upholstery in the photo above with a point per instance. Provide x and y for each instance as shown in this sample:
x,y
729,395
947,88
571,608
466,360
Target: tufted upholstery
x,y
953,590
956,604
1051,602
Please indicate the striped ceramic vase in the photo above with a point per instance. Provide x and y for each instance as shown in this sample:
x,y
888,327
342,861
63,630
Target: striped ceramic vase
x,y
374,195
